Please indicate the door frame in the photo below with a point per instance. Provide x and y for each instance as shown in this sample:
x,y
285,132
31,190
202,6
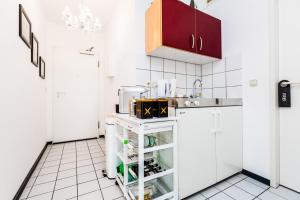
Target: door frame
x,y
274,79
52,86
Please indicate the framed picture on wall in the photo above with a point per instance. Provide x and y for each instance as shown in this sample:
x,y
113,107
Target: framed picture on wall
x,y
24,26
42,68
34,50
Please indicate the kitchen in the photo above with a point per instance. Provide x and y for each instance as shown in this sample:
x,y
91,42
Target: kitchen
x,y
219,66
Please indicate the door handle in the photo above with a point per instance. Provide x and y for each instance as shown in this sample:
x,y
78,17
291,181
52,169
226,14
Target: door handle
x,y
214,119
200,43
193,41
220,122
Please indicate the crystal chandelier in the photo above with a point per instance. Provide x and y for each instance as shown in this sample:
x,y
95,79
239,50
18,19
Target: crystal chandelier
x,y
85,21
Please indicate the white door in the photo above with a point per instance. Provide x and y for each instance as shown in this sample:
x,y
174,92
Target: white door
x,y
229,141
289,46
196,150
75,95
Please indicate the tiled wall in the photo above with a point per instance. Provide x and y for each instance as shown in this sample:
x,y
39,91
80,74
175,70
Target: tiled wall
x,y
221,79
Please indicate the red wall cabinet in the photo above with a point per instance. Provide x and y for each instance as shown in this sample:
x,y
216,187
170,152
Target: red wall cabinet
x,y
177,31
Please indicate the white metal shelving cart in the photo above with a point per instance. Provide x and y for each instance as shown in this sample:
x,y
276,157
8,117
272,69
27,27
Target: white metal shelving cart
x,y
144,141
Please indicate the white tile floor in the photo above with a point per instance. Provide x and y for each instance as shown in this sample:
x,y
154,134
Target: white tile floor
x,y
73,171
241,187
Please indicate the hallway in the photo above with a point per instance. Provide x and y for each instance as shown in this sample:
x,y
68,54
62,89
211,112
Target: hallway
x,y
72,171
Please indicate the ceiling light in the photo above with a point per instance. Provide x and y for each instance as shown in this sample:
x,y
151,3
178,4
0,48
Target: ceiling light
x,y
85,21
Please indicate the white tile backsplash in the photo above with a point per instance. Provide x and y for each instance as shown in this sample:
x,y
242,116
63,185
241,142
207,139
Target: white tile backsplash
x,y
190,81
181,80
219,66
191,69
207,81
168,76
180,67
157,64
219,93
155,76
207,93
198,70
180,92
220,79
207,69
169,66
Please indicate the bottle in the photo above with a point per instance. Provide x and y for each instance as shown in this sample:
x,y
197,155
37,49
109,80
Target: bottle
x,y
132,105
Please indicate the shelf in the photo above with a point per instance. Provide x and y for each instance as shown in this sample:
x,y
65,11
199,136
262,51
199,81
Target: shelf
x,y
158,175
158,148
133,160
162,190
165,196
122,180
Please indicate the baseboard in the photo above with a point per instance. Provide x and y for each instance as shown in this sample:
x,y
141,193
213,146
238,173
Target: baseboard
x,y
256,177
75,140
24,183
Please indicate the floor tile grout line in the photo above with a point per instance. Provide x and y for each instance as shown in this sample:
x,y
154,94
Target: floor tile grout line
x,y
97,174
84,194
245,191
256,184
276,194
101,148
27,196
222,191
57,171
262,192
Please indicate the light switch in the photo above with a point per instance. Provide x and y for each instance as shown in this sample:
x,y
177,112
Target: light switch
x,y
253,83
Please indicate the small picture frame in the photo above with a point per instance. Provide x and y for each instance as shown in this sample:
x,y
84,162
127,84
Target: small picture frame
x,y
34,50
42,70
24,26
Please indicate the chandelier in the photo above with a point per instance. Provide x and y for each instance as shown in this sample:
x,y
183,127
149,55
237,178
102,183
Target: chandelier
x,y
85,21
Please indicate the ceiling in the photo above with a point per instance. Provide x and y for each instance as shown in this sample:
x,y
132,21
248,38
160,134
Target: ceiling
x,y
100,8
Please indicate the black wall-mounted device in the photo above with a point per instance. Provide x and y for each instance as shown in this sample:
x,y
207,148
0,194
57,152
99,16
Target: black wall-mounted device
x,y
284,94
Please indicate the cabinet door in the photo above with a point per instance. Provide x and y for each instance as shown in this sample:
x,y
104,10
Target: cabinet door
x,y
196,149
178,25
209,39
229,142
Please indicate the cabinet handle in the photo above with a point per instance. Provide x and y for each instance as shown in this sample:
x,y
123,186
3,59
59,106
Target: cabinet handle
x,y
200,43
214,118
193,41
220,122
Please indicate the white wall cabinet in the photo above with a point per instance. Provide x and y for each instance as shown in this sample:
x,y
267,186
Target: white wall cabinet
x,y
209,146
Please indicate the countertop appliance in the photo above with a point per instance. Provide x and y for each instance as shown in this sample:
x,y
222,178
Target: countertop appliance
x,y
126,93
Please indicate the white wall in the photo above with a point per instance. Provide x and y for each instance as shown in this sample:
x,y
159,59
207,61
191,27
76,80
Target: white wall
x,y
23,98
58,36
245,31
119,41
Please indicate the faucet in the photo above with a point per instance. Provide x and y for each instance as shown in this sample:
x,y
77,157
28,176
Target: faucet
x,y
194,87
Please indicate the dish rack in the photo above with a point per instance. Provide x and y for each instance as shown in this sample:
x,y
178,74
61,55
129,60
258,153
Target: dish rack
x,y
147,158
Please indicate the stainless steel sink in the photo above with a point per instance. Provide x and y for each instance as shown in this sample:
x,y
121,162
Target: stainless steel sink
x,y
202,102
